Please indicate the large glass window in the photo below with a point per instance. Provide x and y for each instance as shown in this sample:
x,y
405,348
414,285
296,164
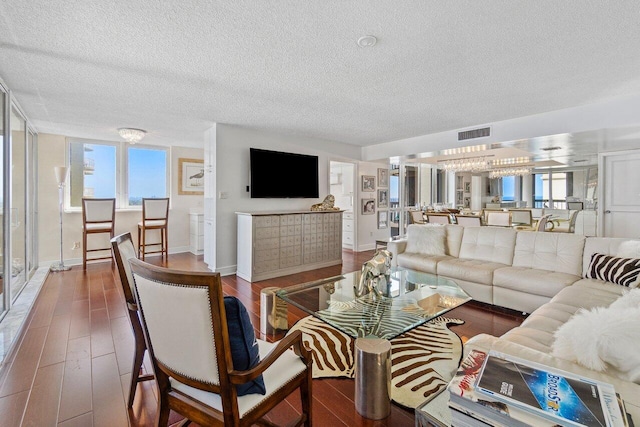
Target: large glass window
x,y
96,171
551,189
147,174
508,188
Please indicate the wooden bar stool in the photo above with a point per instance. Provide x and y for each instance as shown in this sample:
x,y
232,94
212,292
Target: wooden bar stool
x,y
98,216
155,216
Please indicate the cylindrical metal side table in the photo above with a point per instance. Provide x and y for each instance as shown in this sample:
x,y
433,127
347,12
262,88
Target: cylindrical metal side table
x,y
273,311
373,377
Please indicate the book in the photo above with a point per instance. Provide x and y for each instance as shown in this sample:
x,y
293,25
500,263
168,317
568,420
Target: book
x,y
550,393
464,398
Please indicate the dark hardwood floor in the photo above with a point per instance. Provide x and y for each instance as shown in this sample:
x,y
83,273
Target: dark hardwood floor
x,y
72,366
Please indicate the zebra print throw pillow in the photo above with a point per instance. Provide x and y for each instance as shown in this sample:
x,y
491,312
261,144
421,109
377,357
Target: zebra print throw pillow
x,y
621,271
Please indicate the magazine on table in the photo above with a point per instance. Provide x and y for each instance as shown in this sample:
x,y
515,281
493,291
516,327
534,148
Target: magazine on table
x,y
556,395
464,398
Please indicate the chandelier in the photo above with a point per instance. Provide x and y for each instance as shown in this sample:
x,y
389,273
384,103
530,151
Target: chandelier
x,y
132,135
470,164
514,171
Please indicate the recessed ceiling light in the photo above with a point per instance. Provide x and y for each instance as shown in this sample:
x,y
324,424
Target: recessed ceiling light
x,y
551,148
367,41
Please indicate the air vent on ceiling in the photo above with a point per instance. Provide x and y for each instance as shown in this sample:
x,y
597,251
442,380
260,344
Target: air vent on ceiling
x,y
474,133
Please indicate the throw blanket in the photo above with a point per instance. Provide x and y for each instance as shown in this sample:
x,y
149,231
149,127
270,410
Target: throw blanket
x,y
423,360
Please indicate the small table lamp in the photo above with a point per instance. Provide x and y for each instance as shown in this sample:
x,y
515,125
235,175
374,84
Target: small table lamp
x,y
61,177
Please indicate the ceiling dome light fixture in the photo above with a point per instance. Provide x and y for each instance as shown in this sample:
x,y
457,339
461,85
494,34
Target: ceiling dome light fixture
x,y
367,41
132,135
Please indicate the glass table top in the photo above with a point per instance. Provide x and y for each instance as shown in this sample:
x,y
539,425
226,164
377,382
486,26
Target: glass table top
x,y
409,298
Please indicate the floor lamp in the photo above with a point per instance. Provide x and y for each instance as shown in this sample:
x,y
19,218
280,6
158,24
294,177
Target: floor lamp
x,y
61,177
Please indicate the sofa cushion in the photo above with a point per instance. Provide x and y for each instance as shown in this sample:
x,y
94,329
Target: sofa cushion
x,y
472,270
490,244
601,245
454,239
244,346
629,299
621,271
532,280
426,239
560,252
601,338
419,262
629,249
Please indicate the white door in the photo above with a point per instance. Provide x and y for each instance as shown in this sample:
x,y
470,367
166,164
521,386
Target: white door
x,y
620,199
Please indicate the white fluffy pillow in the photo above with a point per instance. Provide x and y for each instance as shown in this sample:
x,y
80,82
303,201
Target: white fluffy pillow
x,y
426,239
600,338
629,249
629,299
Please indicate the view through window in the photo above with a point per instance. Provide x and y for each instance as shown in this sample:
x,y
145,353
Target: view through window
x,y
96,172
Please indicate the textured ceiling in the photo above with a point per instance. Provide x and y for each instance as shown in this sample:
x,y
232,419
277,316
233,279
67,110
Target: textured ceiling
x,y
85,68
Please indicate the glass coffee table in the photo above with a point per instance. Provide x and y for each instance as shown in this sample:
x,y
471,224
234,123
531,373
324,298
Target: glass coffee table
x,y
409,299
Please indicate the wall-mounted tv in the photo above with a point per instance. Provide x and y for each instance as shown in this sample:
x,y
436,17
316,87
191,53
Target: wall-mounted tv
x,y
275,174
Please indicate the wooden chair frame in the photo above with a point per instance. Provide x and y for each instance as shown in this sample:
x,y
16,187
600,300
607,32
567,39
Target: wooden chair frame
x,y
132,310
87,231
416,217
143,228
195,410
438,215
473,218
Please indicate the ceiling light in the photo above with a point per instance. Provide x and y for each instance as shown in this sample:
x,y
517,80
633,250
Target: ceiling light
x,y
367,41
470,164
132,135
502,172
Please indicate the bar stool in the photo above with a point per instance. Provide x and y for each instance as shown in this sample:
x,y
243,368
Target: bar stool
x,y
98,216
155,216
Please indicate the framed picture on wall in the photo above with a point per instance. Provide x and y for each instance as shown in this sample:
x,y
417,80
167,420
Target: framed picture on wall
x,y
467,187
368,183
368,206
191,177
383,177
383,219
383,198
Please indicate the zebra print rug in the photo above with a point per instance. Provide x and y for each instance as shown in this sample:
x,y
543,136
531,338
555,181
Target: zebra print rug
x,y
423,360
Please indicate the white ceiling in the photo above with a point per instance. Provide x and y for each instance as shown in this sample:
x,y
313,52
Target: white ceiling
x,y
86,68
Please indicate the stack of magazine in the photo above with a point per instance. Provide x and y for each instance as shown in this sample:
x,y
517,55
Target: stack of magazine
x,y
501,390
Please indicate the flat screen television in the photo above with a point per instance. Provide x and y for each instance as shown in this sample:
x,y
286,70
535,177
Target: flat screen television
x,y
275,174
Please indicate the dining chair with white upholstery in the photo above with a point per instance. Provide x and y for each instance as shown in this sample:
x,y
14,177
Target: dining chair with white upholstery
x,y
123,251
155,216
416,217
434,218
98,216
499,218
468,220
521,217
190,330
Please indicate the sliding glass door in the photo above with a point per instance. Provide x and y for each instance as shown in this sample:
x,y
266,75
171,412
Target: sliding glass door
x,y
18,219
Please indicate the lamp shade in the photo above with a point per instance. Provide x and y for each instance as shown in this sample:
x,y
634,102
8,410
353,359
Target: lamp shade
x,y
61,174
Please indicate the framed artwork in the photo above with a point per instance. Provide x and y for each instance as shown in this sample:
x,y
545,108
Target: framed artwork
x,y
383,177
383,219
467,187
383,198
191,177
368,183
368,206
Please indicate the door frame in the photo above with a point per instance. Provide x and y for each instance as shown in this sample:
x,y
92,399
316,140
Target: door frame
x,y
602,172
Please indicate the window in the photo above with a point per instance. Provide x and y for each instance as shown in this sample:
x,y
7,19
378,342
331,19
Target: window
x,y
147,174
100,170
508,188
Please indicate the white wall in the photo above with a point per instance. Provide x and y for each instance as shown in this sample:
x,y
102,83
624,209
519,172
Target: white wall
x,y
368,231
232,176
51,153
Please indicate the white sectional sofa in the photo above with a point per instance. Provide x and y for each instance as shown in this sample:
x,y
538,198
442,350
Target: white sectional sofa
x,y
539,273
520,270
